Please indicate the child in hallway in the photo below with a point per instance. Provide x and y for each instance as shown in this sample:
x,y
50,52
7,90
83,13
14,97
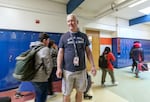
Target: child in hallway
x,y
110,68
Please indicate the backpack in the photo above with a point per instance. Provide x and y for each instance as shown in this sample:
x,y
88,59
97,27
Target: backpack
x,y
25,65
103,61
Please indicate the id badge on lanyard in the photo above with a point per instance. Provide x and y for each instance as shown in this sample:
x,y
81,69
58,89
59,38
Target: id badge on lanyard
x,y
76,61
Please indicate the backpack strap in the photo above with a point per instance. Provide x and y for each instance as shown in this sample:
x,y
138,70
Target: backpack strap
x,y
44,67
38,48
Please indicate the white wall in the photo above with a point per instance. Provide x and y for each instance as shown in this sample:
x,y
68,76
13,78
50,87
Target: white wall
x,y
139,31
120,28
105,34
21,15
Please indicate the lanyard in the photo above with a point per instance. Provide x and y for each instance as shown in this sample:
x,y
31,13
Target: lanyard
x,y
75,48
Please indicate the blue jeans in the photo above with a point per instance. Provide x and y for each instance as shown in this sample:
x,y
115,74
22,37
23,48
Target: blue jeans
x,y
40,91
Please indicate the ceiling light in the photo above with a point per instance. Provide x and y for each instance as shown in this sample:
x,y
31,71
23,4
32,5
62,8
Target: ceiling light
x,y
145,10
137,3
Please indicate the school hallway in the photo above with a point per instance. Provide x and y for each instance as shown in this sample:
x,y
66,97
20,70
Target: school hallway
x,y
130,89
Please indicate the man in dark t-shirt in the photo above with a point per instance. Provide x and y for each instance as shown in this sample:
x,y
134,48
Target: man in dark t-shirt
x,y
71,60
67,43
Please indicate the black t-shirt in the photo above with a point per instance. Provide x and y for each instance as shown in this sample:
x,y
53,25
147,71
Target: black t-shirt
x,y
67,44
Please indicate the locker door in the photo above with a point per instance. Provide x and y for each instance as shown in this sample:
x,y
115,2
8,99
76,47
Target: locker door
x,y
9,51
3,59
13,52
4,56
55,37
25,38
34,36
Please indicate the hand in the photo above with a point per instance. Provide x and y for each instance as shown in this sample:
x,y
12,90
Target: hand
x,y
93,71
59,73
55,46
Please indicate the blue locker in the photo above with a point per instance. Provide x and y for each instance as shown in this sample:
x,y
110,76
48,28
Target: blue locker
x,y
25,38
125,46
123,56
55,37
34,36
4,55
12,43
10,53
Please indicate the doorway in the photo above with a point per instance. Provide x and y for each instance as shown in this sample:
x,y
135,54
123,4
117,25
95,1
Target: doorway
x,y
93,36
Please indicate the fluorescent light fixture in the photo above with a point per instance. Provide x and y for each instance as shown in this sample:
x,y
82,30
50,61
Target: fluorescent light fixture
x,y
137,3
145,10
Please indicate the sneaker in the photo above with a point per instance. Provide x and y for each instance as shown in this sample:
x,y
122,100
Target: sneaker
x,y
18,95
102,85
136,75
132,69
115,83
51,96
86,96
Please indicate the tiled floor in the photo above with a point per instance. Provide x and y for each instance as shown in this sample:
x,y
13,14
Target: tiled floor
x,y
99,95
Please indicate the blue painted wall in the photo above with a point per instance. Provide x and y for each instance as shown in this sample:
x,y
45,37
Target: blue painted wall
x,y
122,57
12,43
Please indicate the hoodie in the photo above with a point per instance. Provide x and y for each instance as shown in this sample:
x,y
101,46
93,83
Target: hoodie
x,y
137,45
42,56
138,53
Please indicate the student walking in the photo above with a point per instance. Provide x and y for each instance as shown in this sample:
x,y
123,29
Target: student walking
x,y
54,51
110,69
134,64
138,56
40,81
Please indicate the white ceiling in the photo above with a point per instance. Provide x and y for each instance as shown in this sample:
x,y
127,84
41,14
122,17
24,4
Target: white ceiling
x,y
99,8
130,13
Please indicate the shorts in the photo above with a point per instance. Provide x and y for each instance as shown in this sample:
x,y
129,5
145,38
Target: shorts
x,y
77,80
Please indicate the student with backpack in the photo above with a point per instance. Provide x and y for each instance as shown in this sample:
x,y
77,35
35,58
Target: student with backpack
x,y
40,80
35,66
134,64
109,58
138,56
54,51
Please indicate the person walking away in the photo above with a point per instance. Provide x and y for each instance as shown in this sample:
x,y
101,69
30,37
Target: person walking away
x,y
110,69
138,56
71,64
134,64
40,81
54,51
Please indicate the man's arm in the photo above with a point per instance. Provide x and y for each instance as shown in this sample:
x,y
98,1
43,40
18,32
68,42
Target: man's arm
x,y
59,62
90,58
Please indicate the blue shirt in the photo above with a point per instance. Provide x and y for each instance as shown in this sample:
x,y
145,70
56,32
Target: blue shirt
x,y
67,44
